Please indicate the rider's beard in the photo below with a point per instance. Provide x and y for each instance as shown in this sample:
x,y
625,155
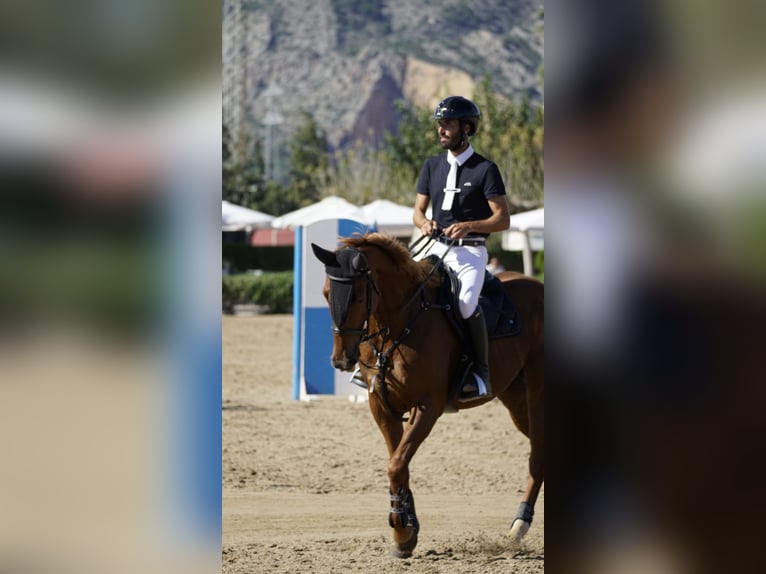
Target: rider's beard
x,y
455,143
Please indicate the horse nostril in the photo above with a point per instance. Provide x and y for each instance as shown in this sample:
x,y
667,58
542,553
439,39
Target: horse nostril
x,y
345,363
345,360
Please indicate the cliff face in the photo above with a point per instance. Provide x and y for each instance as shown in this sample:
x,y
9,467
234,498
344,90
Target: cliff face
x,y
347,61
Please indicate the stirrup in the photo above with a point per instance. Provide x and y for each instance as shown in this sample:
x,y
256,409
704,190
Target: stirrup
x,y
474,390
357,379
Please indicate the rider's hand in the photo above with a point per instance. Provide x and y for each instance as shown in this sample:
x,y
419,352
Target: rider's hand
x,y
458,230
428,227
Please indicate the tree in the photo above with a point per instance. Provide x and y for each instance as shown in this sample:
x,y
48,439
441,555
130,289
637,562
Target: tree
x,y
359,175
309,163
495,129
362,173
511,135
243,171
526,177
416,140
392,172
241,177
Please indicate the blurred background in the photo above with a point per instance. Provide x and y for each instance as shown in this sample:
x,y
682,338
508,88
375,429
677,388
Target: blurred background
x,y
113,162
109,323
654,185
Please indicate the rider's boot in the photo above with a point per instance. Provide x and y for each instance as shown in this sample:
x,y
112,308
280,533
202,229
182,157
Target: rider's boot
x,y
473,389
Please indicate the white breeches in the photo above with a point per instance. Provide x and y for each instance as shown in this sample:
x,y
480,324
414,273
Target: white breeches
x,y
470,264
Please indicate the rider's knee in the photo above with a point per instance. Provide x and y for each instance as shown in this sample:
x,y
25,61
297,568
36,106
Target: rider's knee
x,y
467,307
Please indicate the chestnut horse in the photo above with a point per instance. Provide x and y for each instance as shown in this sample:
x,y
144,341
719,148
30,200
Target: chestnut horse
x,y
382,306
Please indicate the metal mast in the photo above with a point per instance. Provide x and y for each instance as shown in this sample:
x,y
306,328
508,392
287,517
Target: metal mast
x,y
270,121
234,54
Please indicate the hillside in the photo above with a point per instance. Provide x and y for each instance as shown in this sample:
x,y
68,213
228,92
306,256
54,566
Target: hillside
x,y
347,61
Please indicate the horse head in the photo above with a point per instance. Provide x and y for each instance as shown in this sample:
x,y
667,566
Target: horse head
x,y
349,291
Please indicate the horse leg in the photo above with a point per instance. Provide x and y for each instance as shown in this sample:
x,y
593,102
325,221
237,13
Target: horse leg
x,y
402,517
391,428
531,422
515,400
535,408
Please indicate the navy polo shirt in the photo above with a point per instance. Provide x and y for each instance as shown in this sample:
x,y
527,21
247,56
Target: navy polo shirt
x,y
478,179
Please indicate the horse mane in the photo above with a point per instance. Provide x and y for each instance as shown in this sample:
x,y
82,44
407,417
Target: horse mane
x,y
413,270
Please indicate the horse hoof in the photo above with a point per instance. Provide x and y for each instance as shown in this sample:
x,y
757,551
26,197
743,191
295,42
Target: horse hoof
x,y
397,552
404,549
518,529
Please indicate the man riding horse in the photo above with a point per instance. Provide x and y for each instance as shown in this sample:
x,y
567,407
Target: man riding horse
x,y
468,197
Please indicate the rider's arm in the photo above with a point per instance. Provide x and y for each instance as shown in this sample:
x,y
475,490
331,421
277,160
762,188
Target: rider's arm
x,y
419,218
500,220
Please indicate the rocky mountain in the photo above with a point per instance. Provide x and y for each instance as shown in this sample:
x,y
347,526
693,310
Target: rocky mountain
x,y
347,61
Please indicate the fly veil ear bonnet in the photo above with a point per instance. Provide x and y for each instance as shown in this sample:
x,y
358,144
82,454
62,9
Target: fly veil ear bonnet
x,y
342,267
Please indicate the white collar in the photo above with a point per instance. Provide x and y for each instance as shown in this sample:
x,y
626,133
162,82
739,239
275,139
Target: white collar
x,y
462,158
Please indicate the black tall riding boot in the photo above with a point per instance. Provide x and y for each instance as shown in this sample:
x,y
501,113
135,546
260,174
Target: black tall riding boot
x,y
477,331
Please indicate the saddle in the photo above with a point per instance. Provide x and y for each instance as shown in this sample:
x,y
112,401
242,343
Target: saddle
x,y
500,313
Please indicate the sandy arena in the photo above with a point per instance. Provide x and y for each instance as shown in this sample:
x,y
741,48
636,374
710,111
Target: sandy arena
x,y
305,487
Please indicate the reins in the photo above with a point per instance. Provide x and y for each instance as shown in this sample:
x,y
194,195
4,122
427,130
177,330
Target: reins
x,y
433,235
422,286
383,355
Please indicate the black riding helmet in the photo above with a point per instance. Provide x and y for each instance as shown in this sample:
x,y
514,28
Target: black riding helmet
x,y
458,108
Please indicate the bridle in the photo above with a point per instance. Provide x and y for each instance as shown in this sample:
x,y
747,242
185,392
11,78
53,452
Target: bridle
x,y
341,290
339,311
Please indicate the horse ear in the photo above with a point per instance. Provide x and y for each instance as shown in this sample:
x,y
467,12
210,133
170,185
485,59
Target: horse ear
x,y
359,262
327,257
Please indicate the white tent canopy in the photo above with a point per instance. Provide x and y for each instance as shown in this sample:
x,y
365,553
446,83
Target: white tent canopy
x,y
389,217
236,218
526,234
329,208
534,219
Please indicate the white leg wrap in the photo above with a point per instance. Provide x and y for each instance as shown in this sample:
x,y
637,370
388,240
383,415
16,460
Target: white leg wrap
x,y
518,529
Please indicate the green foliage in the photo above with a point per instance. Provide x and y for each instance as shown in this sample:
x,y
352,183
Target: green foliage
x,y
359,19
241,257
276,199
464,15
511,260
114,284
512,135
243,181
242,173
274,291
539,262
309,160
359,175
405,152
362,173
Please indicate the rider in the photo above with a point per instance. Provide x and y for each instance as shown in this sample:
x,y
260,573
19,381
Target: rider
x,y
469,203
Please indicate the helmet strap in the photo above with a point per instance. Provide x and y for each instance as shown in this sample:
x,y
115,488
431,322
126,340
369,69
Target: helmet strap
x,y
463,135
